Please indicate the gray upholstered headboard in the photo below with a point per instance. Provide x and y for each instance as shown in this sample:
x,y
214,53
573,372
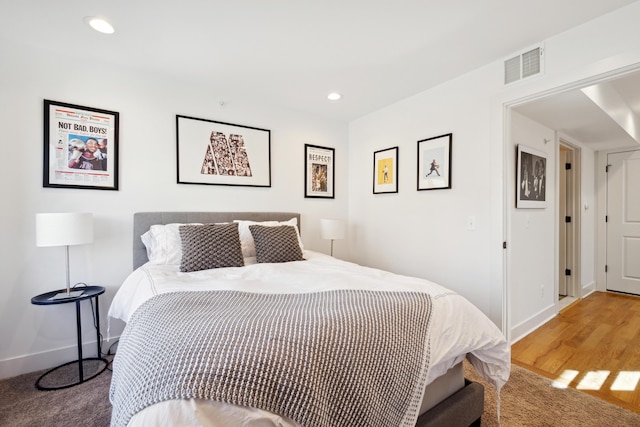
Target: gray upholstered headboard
x,y
142,221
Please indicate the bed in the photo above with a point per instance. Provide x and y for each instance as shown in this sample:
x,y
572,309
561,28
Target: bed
x,y
414,334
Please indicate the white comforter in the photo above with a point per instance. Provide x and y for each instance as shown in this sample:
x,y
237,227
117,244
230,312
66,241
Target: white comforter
x,y
458,328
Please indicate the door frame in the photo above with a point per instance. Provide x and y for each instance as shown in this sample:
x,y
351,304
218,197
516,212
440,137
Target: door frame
x,y
574,288
508,199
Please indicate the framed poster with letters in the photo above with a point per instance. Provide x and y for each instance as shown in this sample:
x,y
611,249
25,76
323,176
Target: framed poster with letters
x,y
219,153
319,171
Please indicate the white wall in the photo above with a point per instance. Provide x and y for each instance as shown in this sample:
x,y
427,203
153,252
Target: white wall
x,y
424,233
533,252
35,337
534,237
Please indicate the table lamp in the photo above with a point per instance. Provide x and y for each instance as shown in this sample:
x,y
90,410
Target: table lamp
x,y
332,229
64,229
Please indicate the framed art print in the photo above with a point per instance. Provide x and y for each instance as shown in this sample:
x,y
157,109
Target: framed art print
x,y
319,171
385,171
531,178
80,147
434,163
218,153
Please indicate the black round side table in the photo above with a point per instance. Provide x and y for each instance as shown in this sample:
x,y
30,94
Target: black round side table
x,y
88,293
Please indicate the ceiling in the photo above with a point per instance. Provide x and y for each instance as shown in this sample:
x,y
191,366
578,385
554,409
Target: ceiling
x,y
602,116
292,53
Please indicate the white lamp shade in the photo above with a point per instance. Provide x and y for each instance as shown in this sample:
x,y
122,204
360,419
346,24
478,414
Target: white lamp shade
x,y
64,229
333,229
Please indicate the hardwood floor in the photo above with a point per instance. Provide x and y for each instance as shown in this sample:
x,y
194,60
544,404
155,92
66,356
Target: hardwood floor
x,y
592,345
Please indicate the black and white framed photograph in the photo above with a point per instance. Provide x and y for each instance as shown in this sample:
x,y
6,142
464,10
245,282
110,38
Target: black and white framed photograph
x,y
218,153
80,147
319,171
434,162
531,178
385,171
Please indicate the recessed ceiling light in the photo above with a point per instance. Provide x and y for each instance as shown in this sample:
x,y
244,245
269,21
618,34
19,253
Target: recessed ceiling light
x,y
334,96
99,24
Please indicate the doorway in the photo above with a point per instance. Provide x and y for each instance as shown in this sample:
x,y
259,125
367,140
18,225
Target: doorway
x,y
568,224
578,120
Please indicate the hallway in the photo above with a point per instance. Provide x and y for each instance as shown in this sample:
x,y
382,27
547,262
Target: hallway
x,y
593,345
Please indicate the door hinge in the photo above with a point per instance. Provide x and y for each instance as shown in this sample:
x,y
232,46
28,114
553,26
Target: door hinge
x,y
567,166
567,272
504,245
567,219
606,218
606,168
606,268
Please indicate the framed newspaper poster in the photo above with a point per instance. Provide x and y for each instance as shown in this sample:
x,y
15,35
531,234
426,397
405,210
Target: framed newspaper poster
x,y
218,153
80,147
319,171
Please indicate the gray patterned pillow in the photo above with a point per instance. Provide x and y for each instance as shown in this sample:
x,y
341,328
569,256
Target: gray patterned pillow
x,y
210,246
276,244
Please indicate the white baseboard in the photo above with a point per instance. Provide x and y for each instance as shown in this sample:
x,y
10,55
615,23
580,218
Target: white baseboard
x,y
531,324
534,322
588,289
48,359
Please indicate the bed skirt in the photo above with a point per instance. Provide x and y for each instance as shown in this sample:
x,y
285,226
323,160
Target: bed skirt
x,y
462,409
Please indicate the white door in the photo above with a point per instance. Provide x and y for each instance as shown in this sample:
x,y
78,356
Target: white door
x,y
623,222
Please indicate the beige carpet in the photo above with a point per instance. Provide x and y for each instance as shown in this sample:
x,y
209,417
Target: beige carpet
x,y
84,405
527,400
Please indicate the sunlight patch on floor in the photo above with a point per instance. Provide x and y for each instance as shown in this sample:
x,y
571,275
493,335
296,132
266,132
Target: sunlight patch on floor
x,y
593,380
565,379
626,381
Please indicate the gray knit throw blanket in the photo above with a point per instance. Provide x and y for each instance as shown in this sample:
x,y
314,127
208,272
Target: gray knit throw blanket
x,y
335,358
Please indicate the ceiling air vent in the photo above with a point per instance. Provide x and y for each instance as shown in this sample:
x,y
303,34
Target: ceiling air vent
x,y
525,64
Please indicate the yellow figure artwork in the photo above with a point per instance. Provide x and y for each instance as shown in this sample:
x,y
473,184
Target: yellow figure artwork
x,y
385,171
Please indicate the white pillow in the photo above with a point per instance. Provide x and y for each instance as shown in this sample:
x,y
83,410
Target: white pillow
x,y
163,243
246,239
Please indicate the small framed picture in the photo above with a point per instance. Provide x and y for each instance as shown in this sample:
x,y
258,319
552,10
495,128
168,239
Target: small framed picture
x,y
218,153
80,147
434,162
319,171
531,178
385,171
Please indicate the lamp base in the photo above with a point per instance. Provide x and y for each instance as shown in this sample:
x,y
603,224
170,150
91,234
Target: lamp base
x,y
65,295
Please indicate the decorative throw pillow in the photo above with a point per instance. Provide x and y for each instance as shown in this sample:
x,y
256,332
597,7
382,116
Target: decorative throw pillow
x,y
276,244
210,246
246,239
